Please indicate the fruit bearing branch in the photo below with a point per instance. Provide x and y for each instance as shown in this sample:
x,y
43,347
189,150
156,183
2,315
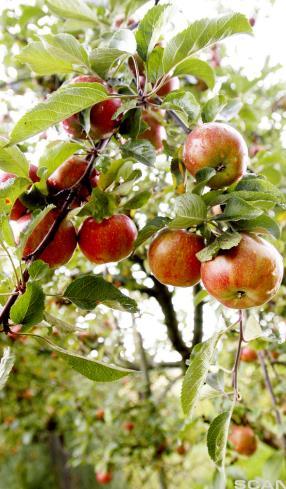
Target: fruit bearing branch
x,y
72,193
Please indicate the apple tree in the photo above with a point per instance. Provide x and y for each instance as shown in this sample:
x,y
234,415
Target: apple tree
x,y
138,168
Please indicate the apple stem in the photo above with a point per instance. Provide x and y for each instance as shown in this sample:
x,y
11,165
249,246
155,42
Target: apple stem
x,y
237,358
269,387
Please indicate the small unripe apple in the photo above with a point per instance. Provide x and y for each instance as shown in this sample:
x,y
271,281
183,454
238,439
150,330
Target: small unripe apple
x,y
243,439
156,133
217,146
173,83
19,209
68,174
248,355
109,240
101,123
59,250
128,426
172,257
247,275
104,477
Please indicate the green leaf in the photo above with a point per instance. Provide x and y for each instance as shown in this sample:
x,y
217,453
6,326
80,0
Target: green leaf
x,y
224,242
236,209
6,232
203,176
154,64
6,365
200,296
100,205
56,153
200,35
149,30
72,9
263,187
13,160
190,210
92,369
123,40
260,225
198,68
29,307
142,151
89,291
125,107
63,103
38,270
213,107
11,190
182,101
150,229
61,53
102,59
136,202
196,374
217,437
252,328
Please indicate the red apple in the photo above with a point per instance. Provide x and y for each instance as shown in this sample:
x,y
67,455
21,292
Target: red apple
x,y
100,414
61,248
181,449
67,175
102,124
243,439
172,257
109,240
247,275
173,83
248,355
19,209
217,146
104,477
156,133
128,426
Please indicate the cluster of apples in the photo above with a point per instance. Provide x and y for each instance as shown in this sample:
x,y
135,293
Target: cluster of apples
x,y
101,242
247,275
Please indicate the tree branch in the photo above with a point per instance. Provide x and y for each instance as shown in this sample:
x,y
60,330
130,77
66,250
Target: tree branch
x,y
272,395
198,318
71,194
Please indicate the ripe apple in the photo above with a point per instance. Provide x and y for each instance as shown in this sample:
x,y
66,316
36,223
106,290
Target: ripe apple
x,y
61,248
217,146
247,275
100,414
104,477
67,175
173,83
19,209
243,439
101,123
248,355
156,133
128,426
172,257
181,449
109,240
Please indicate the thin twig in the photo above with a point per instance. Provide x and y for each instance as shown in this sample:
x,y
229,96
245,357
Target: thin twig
x,y
269,387
237,358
